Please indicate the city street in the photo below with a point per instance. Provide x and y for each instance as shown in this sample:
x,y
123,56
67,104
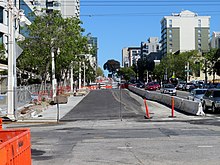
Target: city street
x,y
108,127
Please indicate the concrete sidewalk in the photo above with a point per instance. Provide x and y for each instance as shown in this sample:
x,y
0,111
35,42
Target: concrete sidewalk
x,y
50,114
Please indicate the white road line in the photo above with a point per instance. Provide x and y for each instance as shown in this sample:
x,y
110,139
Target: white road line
x,y
205,146
124,147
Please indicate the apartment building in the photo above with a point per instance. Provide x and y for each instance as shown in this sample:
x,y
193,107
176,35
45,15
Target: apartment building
x,y
185,31
130,56
151,50
68,8
215,41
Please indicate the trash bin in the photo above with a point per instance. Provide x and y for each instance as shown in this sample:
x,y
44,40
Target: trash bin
x,y
15,147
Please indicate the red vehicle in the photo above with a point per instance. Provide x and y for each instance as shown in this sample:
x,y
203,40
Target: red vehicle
x,y
157,84
151,86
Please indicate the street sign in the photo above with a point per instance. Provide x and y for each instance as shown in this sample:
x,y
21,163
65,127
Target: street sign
x,y
18,50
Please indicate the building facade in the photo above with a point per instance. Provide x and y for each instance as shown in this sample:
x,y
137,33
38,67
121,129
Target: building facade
x,y
185,31
130,56
152,47
215,41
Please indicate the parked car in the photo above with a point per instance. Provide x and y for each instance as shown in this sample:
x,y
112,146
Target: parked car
x,y
211,99
157,84
197,94
186,87
180,85
151,86
168,89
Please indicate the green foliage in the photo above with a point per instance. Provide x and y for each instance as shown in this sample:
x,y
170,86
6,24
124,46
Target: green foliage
x,y
212,59
99,72
176,63
50,32
127,73
143,65
112,65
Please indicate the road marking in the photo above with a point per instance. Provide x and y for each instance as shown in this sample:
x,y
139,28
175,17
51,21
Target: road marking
x,y
124,147
205,146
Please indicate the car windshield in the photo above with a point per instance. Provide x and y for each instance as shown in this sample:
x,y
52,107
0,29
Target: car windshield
x,y
169,86
150,84
200,92
216,94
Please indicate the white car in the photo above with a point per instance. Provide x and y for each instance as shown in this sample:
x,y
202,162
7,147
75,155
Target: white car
x,y
196,94
168,89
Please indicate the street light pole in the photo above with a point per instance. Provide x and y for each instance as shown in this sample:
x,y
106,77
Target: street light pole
x,y
80,75
11,63
84,74
53,75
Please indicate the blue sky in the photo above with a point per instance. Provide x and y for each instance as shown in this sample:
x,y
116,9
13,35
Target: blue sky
x,y
118,25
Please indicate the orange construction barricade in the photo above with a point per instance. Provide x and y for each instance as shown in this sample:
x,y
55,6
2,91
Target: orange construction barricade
x,y
15,147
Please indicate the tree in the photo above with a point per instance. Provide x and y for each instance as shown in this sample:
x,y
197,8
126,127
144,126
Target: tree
x,y
112,66
99,72
51,32
212,57
127,73
217,67
174,64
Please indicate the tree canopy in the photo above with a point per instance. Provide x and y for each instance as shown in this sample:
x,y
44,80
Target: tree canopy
x,y
112,66
50,32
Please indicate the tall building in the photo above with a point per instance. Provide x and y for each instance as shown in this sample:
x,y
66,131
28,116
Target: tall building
x,y
215,41
185,31
125,60
151,47
68,8
93,44
130,56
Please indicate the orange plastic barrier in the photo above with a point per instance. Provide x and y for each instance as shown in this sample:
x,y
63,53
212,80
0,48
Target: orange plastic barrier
x,y
15,147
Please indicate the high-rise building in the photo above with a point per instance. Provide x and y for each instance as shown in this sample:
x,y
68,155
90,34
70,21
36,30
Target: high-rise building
x,y
215,41
93,45
125,59
185,31
130,56
150,47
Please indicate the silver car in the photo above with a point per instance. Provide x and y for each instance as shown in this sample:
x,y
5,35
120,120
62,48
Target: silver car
x,y
168,89
211,99
196,94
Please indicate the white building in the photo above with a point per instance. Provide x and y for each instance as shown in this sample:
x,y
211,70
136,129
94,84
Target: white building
x,y
185,31
215,41
130,56
68,8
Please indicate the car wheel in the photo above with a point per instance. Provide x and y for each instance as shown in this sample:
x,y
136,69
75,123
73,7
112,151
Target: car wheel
x,y
213,108
204,107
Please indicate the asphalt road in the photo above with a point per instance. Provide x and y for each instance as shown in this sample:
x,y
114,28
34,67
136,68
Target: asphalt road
x,y
106,104
108,128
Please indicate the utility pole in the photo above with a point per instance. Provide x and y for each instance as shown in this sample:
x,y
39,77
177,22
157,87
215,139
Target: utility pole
x,y
80,75
84,74
54,82
11,63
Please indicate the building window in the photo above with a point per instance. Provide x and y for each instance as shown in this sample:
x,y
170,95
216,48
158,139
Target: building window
x,y
199,23
170,23
199,35
171,45
199,46
199,40
199,31
170,31
170,36
1,14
